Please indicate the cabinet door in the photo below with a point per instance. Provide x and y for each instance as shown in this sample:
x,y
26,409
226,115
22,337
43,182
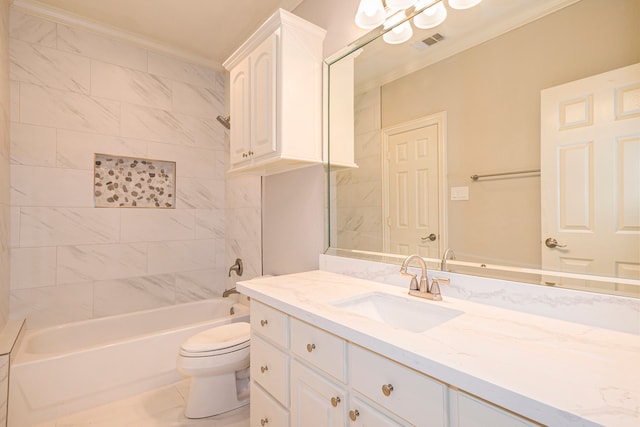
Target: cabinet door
x,y
263,97
362,414
265,411
239,134
315,401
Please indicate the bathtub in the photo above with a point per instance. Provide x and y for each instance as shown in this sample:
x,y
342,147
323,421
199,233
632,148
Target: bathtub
x,y
64,369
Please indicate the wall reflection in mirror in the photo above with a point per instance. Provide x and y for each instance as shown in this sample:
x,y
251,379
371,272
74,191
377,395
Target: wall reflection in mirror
x,y
507,93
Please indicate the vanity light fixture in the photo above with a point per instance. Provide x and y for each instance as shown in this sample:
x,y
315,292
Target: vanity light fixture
x,y
431,17
400,4
463,4
371,14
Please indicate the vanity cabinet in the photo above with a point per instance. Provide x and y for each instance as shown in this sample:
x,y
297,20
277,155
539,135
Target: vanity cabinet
x,y
276,97
304,376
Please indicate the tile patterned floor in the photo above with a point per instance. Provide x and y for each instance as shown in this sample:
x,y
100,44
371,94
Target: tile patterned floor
x,y
163,407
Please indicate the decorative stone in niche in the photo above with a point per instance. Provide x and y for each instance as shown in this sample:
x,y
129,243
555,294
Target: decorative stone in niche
x,y
128,182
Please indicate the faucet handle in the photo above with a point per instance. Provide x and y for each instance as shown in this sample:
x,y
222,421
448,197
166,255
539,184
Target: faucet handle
x,y
414,282
435,287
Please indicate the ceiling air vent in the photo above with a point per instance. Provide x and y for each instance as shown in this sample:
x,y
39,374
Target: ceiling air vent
x,y
430,41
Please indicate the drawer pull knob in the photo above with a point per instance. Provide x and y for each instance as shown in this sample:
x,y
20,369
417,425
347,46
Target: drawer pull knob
x,y
263,323
264,369
311,347
387,389
353,414
264,421
335,401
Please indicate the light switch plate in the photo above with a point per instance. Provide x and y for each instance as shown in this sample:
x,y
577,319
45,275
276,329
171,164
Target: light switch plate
x,y
459,193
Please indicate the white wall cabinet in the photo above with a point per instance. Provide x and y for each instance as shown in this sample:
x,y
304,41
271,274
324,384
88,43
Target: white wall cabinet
x,y
303,376
276,97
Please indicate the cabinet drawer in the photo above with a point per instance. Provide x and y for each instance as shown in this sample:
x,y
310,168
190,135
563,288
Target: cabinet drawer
x,y
472,412
411,395
265,411
270,323
319,348
270,368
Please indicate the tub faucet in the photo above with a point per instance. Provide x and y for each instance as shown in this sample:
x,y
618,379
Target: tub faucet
x,y
448,254
228,292
423,291
237,267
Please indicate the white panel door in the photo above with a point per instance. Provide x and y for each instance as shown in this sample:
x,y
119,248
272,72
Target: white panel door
x,y
413,221
590,174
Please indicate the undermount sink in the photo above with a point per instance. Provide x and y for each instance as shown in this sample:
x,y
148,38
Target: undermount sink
x,y
403,313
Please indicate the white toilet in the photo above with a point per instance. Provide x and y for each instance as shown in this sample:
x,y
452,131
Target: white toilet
x,y
217,360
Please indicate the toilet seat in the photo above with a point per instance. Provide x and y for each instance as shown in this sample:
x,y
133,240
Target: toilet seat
x,y
217,341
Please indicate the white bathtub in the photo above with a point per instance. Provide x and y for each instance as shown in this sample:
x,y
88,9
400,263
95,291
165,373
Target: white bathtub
x,y
67,368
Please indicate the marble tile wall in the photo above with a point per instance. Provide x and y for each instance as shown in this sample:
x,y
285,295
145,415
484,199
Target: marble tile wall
x,y
75,93
5,208
359,217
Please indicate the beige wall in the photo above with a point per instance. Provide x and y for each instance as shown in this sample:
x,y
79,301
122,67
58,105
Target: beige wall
x,y
5,212
491,96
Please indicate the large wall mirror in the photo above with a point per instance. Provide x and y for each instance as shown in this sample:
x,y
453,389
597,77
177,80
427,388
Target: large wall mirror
x,y
484,135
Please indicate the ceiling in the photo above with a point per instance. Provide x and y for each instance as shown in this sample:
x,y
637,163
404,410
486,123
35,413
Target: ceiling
x,y
210,30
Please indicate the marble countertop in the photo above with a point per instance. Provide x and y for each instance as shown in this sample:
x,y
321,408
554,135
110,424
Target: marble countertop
x,y
551,371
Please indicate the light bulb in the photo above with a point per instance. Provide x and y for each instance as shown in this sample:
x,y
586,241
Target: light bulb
x,y
399,34
463,4
370,14
431,17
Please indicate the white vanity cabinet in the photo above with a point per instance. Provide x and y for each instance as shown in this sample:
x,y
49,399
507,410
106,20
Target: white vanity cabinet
x,y
276,97
304,376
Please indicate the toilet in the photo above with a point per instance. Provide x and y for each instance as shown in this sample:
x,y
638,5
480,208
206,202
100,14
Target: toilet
x,y
217,360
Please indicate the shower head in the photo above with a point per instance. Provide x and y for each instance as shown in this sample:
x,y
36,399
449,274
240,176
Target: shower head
x,y
225,121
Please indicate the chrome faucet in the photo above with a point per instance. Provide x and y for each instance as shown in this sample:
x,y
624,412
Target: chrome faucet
x,y
448,254
424,280
237,267
423,290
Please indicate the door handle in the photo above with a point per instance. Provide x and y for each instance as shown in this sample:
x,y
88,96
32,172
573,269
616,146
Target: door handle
x,y
553,243
431,237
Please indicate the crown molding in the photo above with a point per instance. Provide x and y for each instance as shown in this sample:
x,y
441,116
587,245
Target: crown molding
x,y
60,16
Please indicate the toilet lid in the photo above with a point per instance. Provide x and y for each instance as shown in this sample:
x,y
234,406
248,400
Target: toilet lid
x,y
220,337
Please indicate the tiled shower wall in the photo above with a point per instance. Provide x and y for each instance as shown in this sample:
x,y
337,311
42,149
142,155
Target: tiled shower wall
x,y
4,163
74,93
359,190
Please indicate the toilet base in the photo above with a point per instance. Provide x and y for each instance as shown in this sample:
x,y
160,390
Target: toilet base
x,y
213,395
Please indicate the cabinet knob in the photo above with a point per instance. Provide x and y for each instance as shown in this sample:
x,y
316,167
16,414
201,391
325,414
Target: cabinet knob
x,y
311,347
353,414
335,401
264,323
264,421
244,155
265,368
387,389
250,153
